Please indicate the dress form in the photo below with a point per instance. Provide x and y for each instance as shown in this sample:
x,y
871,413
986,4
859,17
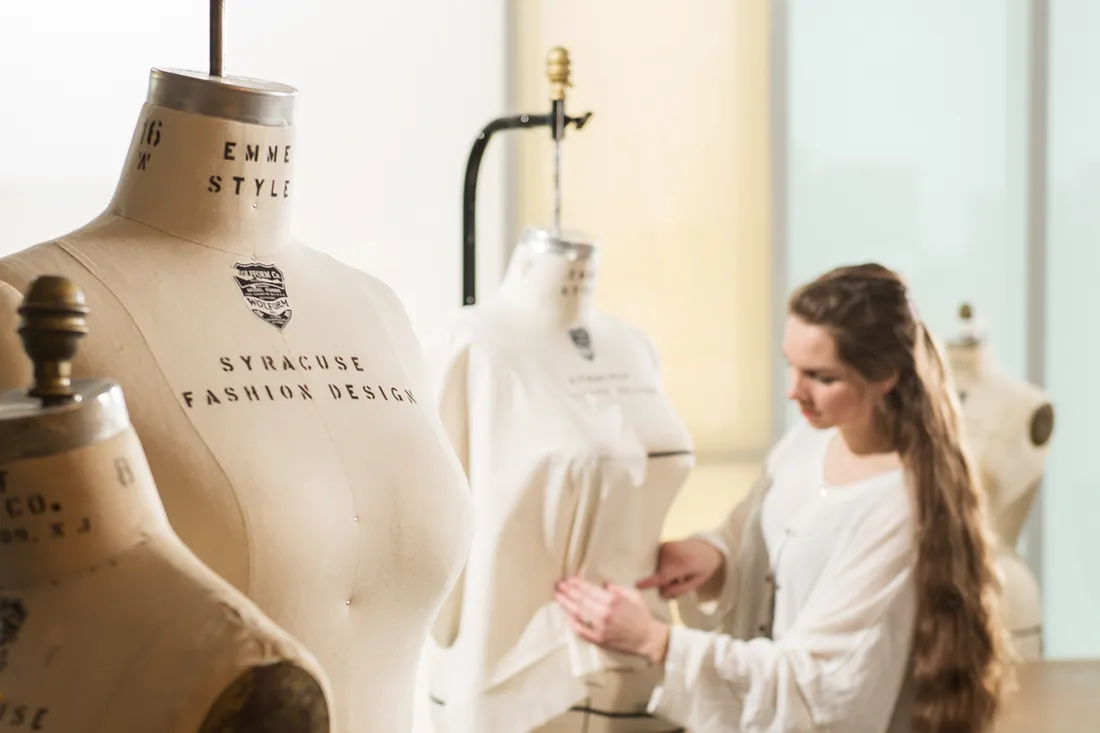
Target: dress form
x,y
574,456
1009,424
278,393
109,622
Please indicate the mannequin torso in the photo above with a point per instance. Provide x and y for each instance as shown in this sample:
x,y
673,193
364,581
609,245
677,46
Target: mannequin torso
x,y
108,621
574,455
279,395
1008,425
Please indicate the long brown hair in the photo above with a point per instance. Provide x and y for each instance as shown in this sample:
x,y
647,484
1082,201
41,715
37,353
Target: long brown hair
x,y
960,657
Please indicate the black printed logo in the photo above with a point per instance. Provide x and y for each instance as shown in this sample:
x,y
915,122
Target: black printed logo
x,y
583,342
264,290
12,618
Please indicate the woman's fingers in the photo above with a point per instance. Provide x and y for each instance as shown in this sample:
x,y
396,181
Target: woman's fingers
x,y
588,633
569,604
585,603
591,596
681,586
665,575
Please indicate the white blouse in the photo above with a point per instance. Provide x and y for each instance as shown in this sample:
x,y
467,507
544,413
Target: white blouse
x,y
842,560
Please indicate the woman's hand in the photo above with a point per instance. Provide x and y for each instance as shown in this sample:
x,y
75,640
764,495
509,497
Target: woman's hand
x,y
613,617
684,566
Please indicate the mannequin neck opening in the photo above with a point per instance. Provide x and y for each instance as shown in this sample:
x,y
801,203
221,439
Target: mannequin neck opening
x,y
552,286
74,511
211,162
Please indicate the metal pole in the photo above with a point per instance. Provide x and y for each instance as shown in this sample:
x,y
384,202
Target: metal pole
x,y
216,15
559,129
1037,291
779,69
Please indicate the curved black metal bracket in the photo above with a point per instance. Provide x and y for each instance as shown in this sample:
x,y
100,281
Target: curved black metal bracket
x,y
473,168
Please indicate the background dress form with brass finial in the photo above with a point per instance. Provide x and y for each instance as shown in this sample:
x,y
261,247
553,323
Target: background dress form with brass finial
x,y
1009,424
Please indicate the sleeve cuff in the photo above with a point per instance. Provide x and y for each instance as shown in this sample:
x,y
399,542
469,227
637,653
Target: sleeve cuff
x,y
673,700
709,614
717,540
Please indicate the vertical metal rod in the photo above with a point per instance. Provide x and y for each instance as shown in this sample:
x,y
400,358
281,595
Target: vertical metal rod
x,y
559,129
779,111
1037,291
216,15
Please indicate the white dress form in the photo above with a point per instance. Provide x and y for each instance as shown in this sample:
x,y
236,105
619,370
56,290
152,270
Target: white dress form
x,y
280,395
107,621
574,455
1008,424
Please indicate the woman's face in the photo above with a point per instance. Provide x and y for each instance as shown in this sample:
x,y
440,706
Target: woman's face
x,y
829,392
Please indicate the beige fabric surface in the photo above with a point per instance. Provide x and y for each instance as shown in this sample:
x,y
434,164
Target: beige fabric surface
x,y
998,411
109,623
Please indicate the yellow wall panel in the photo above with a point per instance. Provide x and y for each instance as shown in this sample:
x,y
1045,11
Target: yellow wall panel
x,y
672,176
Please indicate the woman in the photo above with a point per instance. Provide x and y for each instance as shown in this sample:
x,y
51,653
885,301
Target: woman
x,y
854,586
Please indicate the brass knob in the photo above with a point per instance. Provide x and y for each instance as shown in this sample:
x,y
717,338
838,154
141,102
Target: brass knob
x,y
557,69
53,312
966,312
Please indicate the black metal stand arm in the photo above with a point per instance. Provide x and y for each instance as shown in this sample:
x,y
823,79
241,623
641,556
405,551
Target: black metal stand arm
x,y
473,168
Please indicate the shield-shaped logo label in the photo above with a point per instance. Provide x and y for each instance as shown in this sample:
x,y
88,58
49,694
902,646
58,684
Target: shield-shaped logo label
x,y
264,291
583,342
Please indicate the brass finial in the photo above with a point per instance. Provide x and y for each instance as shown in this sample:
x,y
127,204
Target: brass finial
x,y
966,312
557,68
53,312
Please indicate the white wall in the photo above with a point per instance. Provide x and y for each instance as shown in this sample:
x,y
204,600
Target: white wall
x,y
392,94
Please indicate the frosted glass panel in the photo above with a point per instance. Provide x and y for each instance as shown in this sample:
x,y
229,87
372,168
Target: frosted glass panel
x,y
1071,504
907,145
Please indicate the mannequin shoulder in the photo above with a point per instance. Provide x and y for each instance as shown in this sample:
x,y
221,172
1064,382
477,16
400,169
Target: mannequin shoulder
x,y
633,337
15,368
47,258
1017,394
10,297
466,330
1022,403
455,332
330,269
363,290
237,669
277,698
19,269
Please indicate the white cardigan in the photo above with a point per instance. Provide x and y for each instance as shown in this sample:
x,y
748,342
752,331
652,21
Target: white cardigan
x,y
840,618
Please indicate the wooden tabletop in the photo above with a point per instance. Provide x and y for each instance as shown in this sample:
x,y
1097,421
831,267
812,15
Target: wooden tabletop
x,y
1055,697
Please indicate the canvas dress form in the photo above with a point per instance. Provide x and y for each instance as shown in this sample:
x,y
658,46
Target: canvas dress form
x,y
107,621
574,455
1009,424
280,396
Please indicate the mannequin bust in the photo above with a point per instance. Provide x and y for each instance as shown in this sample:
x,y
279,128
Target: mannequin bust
x,y
109,622
279,394
574,455
1009,424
